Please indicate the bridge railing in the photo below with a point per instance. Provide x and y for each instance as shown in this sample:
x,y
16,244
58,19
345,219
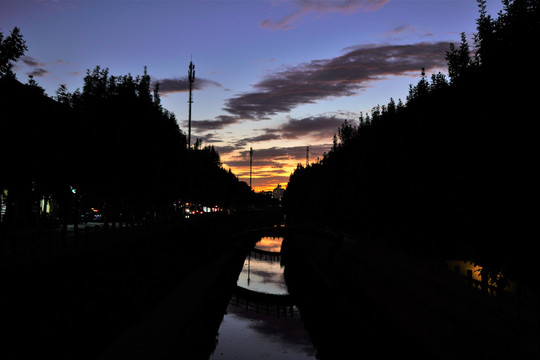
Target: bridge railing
x,y
281,306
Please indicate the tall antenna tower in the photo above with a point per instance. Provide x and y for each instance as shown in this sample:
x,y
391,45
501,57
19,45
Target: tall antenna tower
x,y
191,79
307,156
250,166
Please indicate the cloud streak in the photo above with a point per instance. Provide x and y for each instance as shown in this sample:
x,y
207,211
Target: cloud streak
x,y
302,8
403,31
219,122
172,85
277,157
318,127
341,76
30,61
37,72
39,66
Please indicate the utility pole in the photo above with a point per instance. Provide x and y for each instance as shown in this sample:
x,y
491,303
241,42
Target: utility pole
x,y
250,166
307,156
191,79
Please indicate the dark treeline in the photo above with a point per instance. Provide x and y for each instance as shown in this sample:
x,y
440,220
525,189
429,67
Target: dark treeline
x,y
450,171
110,146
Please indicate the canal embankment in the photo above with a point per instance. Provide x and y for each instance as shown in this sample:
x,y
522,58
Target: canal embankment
x,y
75,304
184,323
402,304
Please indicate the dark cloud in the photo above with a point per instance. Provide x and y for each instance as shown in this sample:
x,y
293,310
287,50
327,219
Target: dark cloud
x,y
38,66
209,138
30,61
182,84
301,8
278,157
38,72
218,123
319,126
403,31
267,136
225,149
344,75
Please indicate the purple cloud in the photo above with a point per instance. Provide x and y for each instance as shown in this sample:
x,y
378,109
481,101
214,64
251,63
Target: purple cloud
x,y
319,126
267,136
344,75
218,123
303,7
403,31
30,61
37,72
173,85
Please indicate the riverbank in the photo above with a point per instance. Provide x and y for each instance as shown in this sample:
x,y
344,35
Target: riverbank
x,y
77,305
184,322
400,304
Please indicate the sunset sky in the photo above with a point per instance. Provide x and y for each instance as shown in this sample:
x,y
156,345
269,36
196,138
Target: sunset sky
x,y
275,75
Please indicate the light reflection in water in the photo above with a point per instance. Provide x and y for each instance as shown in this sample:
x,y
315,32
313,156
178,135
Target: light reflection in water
x,y
263,275
270,243
245,334
251,336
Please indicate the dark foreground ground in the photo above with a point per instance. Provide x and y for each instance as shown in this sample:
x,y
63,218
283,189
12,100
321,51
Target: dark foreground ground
x,y
359,297
164,295
78,305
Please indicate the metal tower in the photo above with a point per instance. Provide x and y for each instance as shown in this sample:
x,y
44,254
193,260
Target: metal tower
x,y
191,79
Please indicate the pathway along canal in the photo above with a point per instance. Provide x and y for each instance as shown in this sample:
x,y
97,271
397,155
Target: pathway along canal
x,y
262,320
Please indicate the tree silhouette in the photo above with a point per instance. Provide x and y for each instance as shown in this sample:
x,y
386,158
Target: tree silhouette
x,y
11,49
447,172
459,60
112,142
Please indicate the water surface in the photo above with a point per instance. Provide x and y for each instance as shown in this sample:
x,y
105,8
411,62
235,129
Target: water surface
x,y
248,334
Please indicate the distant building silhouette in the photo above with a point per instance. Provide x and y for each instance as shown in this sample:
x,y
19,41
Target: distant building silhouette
x,y
277,193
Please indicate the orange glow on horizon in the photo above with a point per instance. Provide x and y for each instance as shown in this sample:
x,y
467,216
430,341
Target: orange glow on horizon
x,y
272,165
265,178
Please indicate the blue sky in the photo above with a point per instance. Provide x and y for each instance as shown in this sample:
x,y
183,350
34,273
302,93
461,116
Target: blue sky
x,y
275,75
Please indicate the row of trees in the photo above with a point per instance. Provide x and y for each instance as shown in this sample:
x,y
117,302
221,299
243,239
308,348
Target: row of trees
x,y
451,170
110,146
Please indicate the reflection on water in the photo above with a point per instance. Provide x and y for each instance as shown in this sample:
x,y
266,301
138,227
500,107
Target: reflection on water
x,y
270,243
261,274
248,334
251,335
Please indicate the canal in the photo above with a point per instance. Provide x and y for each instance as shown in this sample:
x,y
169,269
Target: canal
x,y
296,293
294,299
262,320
